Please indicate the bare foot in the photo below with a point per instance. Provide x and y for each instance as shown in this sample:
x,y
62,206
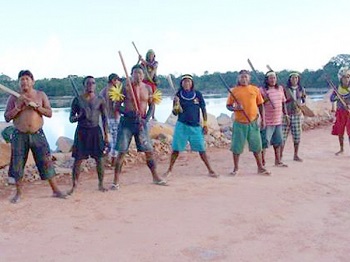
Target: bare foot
x,y
59,194
340,152
16,198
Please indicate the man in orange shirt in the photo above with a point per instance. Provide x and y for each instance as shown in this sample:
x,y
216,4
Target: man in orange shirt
x,y
246,102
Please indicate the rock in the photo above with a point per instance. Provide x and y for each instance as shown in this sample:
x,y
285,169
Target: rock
x,y
171,120
157,129
224,120
212,122
64,144
5,154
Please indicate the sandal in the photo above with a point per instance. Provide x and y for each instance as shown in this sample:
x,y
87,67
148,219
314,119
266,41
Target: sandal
x,y
234,173
159,182
281,164
115,186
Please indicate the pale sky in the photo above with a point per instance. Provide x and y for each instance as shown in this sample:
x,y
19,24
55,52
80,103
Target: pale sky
x,y
83,37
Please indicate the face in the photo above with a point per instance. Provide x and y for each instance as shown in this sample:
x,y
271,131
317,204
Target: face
x,y
294,80
151,56
187,84
244,79
345,80
90,85
26,83
115,82
137,75
272,80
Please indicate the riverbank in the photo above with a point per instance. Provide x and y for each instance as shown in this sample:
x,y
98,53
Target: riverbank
x,y
297,214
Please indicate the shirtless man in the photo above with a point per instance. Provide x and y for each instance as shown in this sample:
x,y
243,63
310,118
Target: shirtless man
x,y
28,121
133,123
88,139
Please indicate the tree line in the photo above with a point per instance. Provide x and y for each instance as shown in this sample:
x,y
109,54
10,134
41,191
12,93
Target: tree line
x,y
313,81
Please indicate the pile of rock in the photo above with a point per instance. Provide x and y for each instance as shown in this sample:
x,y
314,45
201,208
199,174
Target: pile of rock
x,y
219,135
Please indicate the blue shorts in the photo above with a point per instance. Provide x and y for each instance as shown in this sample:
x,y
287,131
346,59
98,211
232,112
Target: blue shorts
x,y
20,145
130,127
185,133
272,135
246,132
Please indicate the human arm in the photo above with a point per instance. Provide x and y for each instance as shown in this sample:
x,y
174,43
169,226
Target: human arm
x,y
103,109
75,112
44,108
262,116
176,106
13,108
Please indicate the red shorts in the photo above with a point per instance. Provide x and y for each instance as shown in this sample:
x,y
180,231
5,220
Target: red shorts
x,y
342,121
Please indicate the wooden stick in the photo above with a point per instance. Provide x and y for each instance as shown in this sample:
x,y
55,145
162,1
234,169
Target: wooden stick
x,y
257,78
341,99
234,98
137,51
170,81
130,85
16,94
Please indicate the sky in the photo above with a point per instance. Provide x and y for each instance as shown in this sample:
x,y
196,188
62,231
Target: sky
x,y
55,39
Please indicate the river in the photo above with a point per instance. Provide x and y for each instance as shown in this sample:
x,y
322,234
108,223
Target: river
x,y
59,125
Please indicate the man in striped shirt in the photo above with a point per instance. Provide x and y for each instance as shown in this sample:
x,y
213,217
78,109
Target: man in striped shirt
x,y
274,105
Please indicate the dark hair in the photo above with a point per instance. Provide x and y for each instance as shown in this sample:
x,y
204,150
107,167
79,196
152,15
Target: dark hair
x,y
183,79
138,66
86,78
25,73
266,80
289,84
244,71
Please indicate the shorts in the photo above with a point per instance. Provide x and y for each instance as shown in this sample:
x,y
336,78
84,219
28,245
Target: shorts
x,y
246,132
20,145
113,132
185,133
88,142
272,135
342,121
294,127
130,127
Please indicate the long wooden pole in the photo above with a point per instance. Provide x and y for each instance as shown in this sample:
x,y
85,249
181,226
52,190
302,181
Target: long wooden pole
x,y
16,94
234,98
137,51
129,83
257,78
341,99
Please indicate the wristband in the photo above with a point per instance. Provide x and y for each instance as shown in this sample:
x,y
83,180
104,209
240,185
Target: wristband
x,y
204,123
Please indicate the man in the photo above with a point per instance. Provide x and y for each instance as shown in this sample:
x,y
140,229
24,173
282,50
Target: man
x,y
274,106
295,94
113,116
136,111
342,113
28,134
150,66
188,128
88,140
245,100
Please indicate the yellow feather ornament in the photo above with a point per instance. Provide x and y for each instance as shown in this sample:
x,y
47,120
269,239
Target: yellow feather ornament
x,y
157,97
115,93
